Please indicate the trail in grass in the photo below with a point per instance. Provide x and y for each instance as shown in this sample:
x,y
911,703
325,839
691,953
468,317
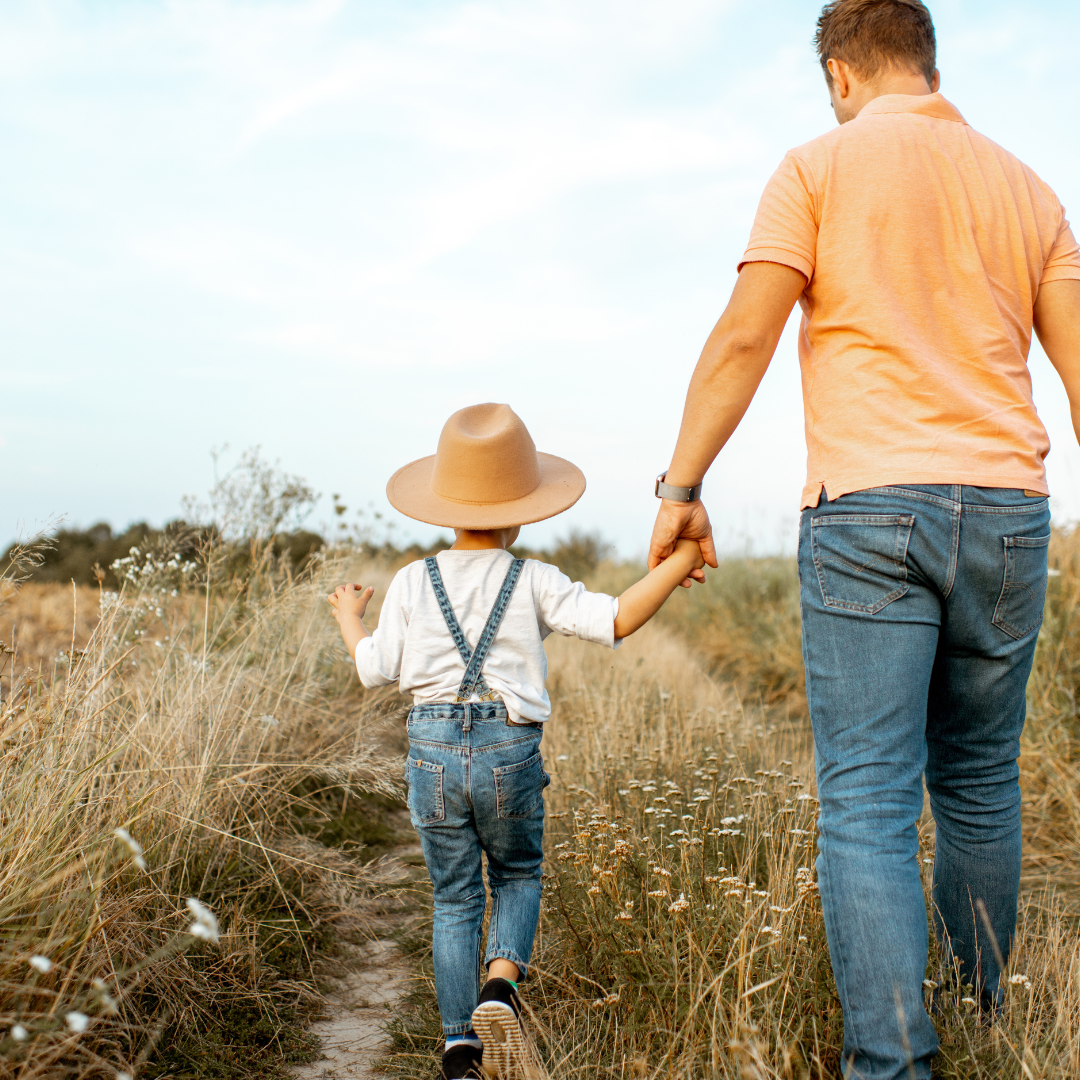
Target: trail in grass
x,y
371,982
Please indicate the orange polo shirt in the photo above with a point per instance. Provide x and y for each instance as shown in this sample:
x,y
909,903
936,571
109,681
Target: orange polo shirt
x,y
924,245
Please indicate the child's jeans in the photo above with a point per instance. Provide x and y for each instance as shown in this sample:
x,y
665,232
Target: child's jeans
x,y
476,783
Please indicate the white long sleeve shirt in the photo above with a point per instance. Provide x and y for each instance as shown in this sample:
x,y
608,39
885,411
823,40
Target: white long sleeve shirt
x,y
413,647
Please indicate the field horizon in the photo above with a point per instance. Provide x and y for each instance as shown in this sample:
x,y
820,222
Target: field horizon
x,y
202,721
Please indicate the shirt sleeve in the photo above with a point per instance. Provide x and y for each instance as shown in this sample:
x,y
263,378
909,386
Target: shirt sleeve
x,y
1064,260
378,657
568,608
785,229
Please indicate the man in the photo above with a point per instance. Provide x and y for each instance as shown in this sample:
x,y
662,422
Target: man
x,y
922,255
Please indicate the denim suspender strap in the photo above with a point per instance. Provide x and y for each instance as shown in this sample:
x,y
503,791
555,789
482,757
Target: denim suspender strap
x,y
473,681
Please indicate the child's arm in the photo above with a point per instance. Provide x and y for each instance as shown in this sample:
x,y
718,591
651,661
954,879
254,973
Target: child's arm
x,y
349,603
646,597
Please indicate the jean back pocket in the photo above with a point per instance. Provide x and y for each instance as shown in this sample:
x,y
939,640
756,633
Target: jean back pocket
x,y
519,788
861,559
426,805
1019,608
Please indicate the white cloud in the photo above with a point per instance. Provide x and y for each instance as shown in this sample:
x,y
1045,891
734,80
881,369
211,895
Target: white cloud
x,y
414,206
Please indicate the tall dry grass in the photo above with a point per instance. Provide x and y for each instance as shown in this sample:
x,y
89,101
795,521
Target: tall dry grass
x,y
681,933
164,760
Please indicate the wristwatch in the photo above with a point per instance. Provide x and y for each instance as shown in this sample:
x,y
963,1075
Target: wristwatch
x,y
676,494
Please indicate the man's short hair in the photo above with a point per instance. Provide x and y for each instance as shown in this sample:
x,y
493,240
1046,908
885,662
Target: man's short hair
x,y
875,35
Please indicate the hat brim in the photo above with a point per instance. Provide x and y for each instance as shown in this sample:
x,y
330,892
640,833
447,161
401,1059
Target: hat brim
x,y
561,485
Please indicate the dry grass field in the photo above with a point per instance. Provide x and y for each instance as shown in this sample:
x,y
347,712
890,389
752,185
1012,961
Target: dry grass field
x,y
216,722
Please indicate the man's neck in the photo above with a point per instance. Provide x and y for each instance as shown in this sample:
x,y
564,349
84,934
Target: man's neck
x,y
859,94
900,83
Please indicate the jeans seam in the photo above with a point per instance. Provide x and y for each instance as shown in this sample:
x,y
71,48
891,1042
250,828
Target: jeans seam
x,y
904,493
954,549
1027,508
841,976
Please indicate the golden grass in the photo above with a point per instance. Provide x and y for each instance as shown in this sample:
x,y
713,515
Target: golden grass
x,y
190,720
681,934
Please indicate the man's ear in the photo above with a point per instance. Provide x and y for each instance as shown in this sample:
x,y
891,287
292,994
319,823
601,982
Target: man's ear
x,y
935,82
839,71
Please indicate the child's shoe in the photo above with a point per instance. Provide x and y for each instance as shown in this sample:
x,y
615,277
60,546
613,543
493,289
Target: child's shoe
x,y
496,1021
461,1061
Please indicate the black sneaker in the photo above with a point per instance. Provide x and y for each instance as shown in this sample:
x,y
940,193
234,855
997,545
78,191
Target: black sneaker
x,y
496,1022
461,1062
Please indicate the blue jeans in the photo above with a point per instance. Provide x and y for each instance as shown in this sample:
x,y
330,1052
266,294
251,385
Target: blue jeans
x,y
921,606
476,784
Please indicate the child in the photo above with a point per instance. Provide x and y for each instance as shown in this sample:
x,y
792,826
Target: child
x,y
463,633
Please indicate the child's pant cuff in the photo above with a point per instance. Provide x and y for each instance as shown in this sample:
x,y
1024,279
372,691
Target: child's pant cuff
x,y
449,1030
508,954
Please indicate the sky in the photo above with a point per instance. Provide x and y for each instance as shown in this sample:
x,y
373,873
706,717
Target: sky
x,y
322,226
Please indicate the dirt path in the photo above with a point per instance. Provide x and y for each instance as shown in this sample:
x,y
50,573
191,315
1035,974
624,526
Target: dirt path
x,y
374,978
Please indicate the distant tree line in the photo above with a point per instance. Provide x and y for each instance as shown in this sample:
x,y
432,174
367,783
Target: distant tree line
x,y
81,555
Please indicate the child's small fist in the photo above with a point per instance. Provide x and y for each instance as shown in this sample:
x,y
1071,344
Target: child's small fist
x,y
350,599
692,549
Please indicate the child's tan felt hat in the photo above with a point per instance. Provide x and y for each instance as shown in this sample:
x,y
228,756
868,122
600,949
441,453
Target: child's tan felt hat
x,y
486,474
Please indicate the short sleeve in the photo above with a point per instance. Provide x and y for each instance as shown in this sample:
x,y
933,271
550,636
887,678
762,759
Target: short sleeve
x,y
1063,262
785,229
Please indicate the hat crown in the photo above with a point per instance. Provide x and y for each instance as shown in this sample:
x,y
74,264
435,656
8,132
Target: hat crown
x,y
485,455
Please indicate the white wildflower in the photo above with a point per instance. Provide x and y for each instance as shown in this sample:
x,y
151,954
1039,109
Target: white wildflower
x,y
682,904
929,984
969,1002
205,925
19,1033
1020,980
133,846
41,963
108,1002
77,1021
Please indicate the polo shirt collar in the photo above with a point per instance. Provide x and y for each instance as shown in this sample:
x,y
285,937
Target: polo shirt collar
x,y
933,105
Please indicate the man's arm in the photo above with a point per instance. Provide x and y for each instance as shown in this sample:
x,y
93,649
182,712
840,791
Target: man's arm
x,y
1057,322
725,380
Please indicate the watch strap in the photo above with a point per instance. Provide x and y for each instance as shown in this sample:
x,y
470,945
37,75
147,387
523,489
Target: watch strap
x,y
664,490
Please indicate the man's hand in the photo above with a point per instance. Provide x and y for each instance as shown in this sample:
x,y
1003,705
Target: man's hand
x,y
689,521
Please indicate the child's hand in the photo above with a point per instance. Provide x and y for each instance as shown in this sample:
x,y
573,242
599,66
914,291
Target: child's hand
x,y
350,600
684,547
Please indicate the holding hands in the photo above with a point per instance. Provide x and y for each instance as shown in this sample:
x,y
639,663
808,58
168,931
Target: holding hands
x,y
688,521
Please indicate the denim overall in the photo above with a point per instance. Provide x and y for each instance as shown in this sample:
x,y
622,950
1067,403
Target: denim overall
x,y
476,785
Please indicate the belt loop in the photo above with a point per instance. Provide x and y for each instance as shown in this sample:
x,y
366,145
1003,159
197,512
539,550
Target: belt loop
x,y
467,726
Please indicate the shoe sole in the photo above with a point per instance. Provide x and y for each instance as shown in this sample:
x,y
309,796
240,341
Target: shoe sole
x,y
500,1031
